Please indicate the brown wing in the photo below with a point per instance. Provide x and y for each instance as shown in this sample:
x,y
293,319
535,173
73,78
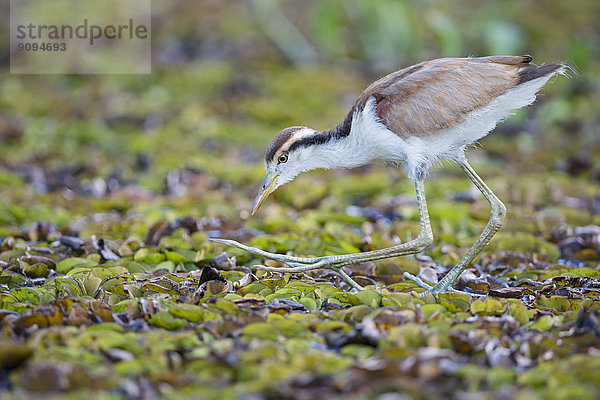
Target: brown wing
x,y
438,94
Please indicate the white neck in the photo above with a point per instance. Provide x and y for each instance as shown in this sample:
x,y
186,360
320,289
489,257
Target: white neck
x,y
369,141
337,153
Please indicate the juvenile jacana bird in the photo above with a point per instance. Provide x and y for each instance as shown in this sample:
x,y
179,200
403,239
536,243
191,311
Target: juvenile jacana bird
x,y
417,116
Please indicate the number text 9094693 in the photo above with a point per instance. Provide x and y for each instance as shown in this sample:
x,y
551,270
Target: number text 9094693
x,y
43,46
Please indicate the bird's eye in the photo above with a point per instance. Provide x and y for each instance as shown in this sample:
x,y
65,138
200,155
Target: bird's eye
x,y
282,158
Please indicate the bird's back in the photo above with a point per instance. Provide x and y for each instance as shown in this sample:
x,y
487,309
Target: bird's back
x,y
437,95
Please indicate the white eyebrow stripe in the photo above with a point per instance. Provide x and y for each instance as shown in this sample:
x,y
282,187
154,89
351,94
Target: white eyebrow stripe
x,y
298,135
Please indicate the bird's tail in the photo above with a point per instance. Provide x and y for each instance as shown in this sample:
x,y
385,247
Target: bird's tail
x,y
530,72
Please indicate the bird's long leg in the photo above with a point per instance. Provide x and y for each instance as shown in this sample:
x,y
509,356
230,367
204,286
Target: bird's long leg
x,y
416,245
301,264
497,214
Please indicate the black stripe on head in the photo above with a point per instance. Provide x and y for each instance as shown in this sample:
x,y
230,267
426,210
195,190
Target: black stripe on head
x,y
312,140
279,140
339,132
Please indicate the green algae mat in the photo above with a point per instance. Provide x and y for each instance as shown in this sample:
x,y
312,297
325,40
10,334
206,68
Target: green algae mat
x,y
126,318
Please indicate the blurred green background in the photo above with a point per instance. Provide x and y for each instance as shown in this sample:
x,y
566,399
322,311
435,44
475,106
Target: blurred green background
x,y
188,139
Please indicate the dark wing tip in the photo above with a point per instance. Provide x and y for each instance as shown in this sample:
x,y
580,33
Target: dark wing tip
x,y
532,71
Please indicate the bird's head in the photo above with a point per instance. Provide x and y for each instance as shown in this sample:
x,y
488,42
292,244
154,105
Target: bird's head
x,y
289,154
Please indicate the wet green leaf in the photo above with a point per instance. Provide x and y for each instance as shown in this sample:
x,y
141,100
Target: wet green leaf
x,y
430,309
190,312
290,328
369,297
68,264
558,303
519,312
37,271
149,256
308,303
164,319
328,326
227,306
261,330
543,323
254,287
487,306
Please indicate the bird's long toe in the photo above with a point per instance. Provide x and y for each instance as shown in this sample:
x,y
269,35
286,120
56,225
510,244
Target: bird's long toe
x,y
284,258
299,268
233,243
418,281
440,289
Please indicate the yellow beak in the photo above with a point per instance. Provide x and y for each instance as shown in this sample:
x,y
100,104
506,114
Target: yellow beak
x,y
268,185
